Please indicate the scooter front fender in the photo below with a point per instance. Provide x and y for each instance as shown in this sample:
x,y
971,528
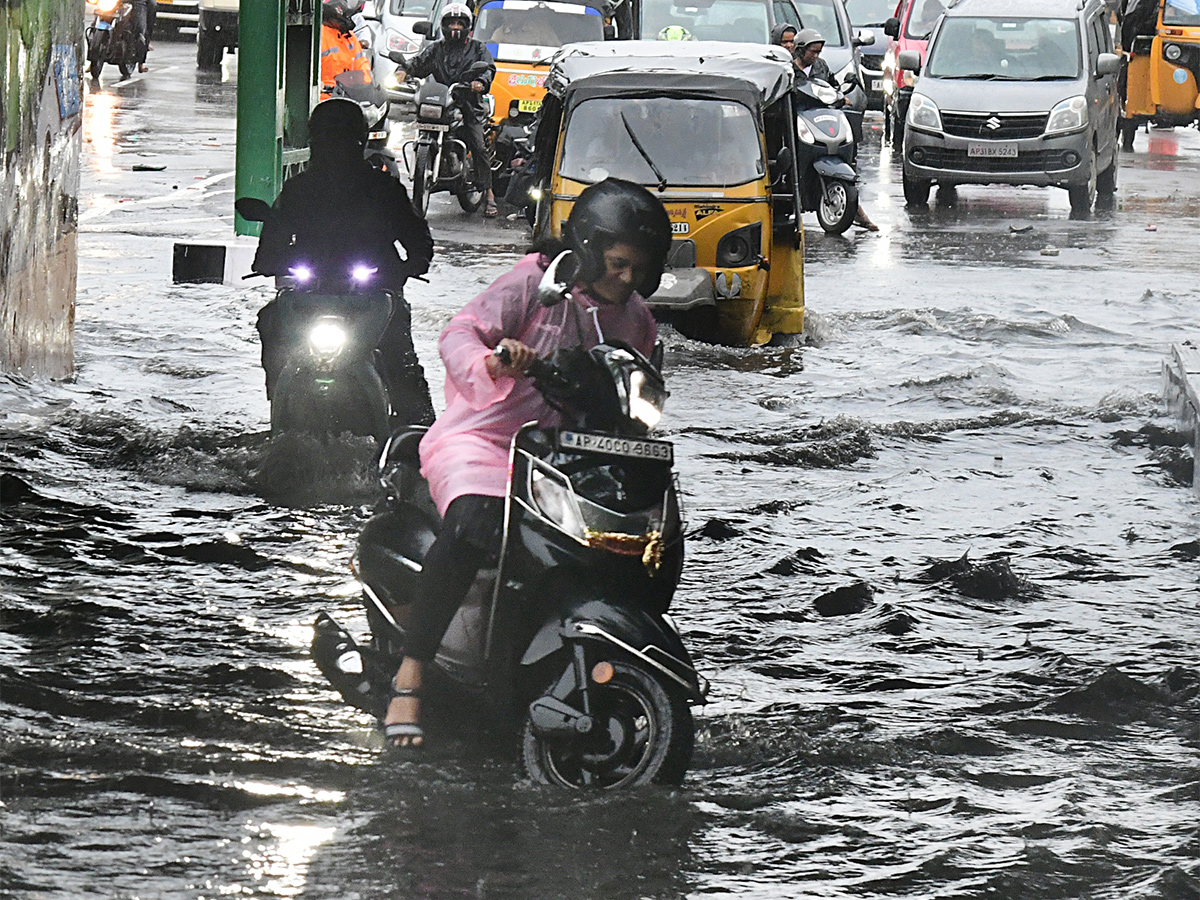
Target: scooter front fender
x,y
651,639
833,167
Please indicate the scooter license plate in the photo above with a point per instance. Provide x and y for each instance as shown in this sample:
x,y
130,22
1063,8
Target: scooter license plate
x,y
992,150
638,448
429,126
102,25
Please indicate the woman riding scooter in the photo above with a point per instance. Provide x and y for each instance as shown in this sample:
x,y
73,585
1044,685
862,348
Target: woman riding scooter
x,y
620,234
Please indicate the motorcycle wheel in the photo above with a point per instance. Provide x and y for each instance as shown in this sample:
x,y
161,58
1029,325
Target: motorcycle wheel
x,y
838,205
421,178
95,67
641,735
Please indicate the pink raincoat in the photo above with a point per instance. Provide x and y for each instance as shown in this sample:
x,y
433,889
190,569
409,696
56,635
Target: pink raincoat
x,y
466,450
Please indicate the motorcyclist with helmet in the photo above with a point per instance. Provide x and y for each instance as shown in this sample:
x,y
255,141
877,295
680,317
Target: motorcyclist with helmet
x,y
341,50
618,234
337,213
450,62
806,57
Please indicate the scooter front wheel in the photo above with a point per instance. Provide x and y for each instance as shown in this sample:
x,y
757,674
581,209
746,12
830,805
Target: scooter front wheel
x,y
640,734
421,181
838,205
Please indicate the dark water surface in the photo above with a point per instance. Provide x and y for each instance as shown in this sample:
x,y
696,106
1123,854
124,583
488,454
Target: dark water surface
x,y
943,575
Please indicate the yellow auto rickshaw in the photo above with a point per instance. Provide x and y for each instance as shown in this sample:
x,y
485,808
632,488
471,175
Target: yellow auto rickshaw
x,y
710,128
1161,40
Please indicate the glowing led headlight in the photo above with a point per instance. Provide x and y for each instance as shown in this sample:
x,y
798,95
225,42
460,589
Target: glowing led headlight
x,y
362,273
107,6
327,338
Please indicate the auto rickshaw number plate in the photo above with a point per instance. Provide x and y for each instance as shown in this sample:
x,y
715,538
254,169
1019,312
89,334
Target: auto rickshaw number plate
x,y
993,149
529,105
617,446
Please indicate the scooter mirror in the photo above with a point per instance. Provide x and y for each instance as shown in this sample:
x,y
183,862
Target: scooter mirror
x,y
556,284
252,209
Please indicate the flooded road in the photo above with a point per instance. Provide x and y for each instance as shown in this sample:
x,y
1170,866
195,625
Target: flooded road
x,y
943,573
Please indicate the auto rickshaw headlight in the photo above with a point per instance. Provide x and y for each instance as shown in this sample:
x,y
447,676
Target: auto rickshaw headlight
x,y
740,247
1173,52
1069,115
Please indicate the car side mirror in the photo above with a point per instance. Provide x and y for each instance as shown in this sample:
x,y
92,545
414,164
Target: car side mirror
x,y
252,209
909,61
1107,64
423,28
892,28
864,38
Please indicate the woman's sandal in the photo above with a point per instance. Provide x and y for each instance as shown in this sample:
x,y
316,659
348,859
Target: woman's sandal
x,y
396,731
489,211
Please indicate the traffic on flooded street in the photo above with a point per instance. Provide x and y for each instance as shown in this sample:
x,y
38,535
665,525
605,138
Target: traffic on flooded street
x,y
891,587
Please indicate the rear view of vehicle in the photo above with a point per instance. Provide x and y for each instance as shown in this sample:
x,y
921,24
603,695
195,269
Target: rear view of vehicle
x,y
909,29
871,16
1017,93
1162,40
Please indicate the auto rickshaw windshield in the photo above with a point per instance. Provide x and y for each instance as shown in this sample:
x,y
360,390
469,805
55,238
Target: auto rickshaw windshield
x,y
1181,13
660,141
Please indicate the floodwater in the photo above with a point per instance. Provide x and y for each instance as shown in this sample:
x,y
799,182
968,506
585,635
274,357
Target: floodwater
x,y
943,574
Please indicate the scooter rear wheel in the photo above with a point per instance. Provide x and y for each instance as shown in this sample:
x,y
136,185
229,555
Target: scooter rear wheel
x,y
640,735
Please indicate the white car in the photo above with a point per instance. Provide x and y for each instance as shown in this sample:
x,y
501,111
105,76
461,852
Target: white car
x,y
392,24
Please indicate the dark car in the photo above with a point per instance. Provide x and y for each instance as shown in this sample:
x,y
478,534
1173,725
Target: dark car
x,y
871,16
1015,92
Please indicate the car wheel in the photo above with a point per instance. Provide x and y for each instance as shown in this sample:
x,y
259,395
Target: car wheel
x,y
1083,196
897,128
916,190
1106,181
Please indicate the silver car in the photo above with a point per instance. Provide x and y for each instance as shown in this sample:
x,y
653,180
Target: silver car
x,y
1015,92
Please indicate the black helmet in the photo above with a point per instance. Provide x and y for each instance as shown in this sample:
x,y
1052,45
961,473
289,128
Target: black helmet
x,y
339,14
613,211
337,123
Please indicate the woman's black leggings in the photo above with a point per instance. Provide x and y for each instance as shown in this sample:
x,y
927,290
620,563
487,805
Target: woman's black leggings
x,y
469,540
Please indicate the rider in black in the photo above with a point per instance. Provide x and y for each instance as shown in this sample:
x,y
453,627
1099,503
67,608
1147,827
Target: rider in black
x,y
449,61
338,212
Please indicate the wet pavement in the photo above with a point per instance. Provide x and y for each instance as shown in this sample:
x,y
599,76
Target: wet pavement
x,y
942,572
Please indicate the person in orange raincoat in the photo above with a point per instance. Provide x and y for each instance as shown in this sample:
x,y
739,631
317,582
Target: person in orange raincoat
x,y
341,50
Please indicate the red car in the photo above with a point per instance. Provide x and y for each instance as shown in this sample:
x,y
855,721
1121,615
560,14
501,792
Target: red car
x,y
908,29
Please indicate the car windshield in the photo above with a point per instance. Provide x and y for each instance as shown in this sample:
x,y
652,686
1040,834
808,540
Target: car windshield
x,y
870,12
534,24
1005,49
420,8
1181,12
821,15
662,141
705,20
923,17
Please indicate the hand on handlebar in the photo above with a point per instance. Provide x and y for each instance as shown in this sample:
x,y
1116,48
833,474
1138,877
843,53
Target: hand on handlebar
x,y
511,358
477,87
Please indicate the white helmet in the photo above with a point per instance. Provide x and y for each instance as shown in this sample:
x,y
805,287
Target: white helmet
x,y
456,11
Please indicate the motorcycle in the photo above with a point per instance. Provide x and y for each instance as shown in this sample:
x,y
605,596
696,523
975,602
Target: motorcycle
x,y
826,156
112,38
323,367
512,143
372,99
441,161
568,638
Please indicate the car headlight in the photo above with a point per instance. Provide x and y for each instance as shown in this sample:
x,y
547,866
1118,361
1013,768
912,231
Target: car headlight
x,y
398,43
923,113
646,399
557,503
1069,115
327,338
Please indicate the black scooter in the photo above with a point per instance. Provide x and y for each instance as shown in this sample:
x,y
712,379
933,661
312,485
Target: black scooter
x,y
319,349
569,636
827,152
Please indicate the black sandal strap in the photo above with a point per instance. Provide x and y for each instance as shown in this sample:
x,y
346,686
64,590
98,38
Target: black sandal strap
x,y
394,692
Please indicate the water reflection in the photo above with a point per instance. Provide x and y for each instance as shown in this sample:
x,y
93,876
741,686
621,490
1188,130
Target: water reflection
x,y
99,132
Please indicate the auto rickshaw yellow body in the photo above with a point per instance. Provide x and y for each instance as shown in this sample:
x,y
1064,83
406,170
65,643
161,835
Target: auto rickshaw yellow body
x,y
1162,80
709,129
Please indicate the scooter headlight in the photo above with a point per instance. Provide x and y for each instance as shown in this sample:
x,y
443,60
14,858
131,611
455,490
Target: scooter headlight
x,y
804,131
646,399
924,114
557,503
107,6
327,339
1069,115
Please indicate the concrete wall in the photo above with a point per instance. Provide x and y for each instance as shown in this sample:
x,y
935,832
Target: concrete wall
x,y
41,58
